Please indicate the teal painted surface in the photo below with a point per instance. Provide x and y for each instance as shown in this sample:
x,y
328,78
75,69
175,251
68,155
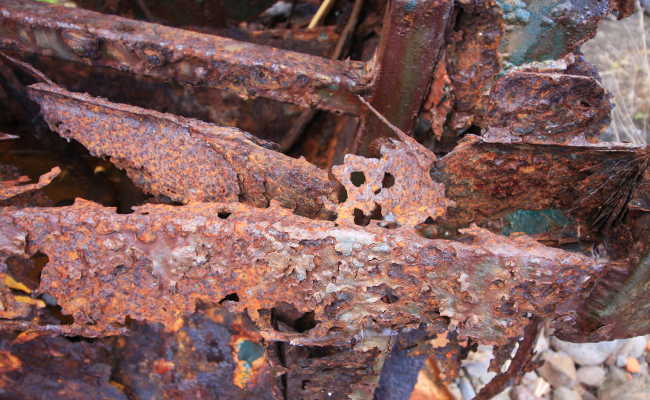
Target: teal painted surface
x,y
249,352
541,30
533,222
532,34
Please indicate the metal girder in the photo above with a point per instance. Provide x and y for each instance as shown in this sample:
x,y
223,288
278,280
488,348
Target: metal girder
x,y
188,57
159,262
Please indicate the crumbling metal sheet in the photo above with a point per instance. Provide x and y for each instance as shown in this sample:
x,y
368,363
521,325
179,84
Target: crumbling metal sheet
x,y
9,189
397,185
413,35
577,180
211,354
54,368
188,57
158,262
490,38
428,385
552,108
183,159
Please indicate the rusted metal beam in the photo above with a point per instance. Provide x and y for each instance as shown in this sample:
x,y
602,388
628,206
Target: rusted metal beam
x,y
488,180
184,159
157,263
412,37
187,57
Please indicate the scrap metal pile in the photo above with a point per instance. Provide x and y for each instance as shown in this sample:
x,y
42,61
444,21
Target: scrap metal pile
x,y
449,188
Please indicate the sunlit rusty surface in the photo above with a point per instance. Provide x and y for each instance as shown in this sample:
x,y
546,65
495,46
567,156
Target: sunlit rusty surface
x,y
188,57
158,262
9,189
184,159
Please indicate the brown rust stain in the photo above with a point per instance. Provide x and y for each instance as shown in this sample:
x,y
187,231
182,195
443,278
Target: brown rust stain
x,y
188,57
184,159
487,179
158,262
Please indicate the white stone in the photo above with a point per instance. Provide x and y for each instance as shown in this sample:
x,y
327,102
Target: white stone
x,y
564,393
587,353
633,347
558,369
591,375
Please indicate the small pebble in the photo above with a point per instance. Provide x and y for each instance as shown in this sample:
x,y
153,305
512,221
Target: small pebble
x,y
558,369
633,365
564,393
587,353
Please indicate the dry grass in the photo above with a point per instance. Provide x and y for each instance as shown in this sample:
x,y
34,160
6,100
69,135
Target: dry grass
x,y
620,51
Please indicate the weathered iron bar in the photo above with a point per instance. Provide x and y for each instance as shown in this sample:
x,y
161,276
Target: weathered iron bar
x,y
575,179
412,37
184,159
157,263
188,57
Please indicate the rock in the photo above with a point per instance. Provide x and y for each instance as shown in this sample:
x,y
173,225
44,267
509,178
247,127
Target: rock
x,y
558,369
591,375
633,347
466,389
632,365
617,386
522,393
542,342
564,393
476,364
587,353
584,393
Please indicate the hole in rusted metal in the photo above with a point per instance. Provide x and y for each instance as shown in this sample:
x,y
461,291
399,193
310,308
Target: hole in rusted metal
x,y
320,352
27,271
388,181
231,297
306,322
342,195
389,298
288,316
357,178
223,215
360,218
